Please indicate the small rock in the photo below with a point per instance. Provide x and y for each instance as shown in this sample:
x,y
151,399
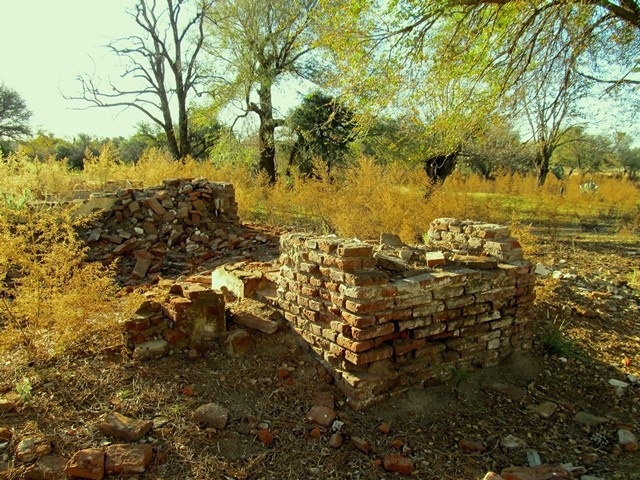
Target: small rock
x,y
48,467
315,432
324,399
321,415
589,419
627,440
238,343
125,428
211,414
160,421
192,354
336,440
31,447
126,459
617,383
152,349
383,428
88,463
541,270
397,443
399,464
5,433
391,239
546,409
511,442
265,436
471,446
336,426
360,444
492,476
282,373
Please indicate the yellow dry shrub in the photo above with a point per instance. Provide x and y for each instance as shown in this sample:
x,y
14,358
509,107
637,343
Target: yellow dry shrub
x,y
53,301
43,178
100,169
355,202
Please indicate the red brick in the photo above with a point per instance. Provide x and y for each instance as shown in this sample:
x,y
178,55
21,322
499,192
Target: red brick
x,y
372,332
355,250
369,307
366,277
310,314
405,346
380,353
358,321
354,345
309,292
175,337
430,330
348,264
394,316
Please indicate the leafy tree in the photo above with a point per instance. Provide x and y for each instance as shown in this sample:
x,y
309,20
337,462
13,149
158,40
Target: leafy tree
x,y
260,43
542,54
627,157
164,60
583,152
496,148
14,116
324,130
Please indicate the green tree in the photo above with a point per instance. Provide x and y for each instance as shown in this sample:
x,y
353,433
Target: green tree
x,y
540,56
163,59
260,44
626,156
14,116
324,129
583,152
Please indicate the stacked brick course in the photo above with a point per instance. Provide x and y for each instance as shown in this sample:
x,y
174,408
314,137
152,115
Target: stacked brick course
x,y
380,332
475,238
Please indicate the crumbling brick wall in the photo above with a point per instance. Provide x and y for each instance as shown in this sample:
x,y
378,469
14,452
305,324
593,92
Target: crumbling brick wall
x,y
379,332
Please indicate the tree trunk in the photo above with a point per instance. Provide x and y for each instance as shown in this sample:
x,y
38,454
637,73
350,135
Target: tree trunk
x,y
439,167
543,155
266,134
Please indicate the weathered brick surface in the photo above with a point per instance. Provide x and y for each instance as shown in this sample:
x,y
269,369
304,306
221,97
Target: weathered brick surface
x,y
379,330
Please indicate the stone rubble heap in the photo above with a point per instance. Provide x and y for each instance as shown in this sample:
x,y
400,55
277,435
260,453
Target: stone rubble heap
x,y
475,238
164,228
379,335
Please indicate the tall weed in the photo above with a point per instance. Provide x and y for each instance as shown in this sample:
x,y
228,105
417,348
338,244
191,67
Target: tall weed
x,y
52,300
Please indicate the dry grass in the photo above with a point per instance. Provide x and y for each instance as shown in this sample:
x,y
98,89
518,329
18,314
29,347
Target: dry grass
x,y
361,201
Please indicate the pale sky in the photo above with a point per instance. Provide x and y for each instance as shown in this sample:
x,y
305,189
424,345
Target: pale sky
x,y
46,44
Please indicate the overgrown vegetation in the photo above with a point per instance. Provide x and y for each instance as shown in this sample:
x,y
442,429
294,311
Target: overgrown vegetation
x,y
52,300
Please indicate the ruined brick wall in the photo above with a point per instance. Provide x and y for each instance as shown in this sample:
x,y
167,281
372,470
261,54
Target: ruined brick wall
x,y
163,228
380,332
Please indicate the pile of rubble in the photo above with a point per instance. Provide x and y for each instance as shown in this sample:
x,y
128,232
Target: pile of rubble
x,y
166,229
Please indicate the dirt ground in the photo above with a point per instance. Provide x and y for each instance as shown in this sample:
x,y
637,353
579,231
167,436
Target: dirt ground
x,y
587,332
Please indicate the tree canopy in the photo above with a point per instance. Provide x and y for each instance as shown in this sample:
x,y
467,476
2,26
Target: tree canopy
x,y
259,45
14,115
324,129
